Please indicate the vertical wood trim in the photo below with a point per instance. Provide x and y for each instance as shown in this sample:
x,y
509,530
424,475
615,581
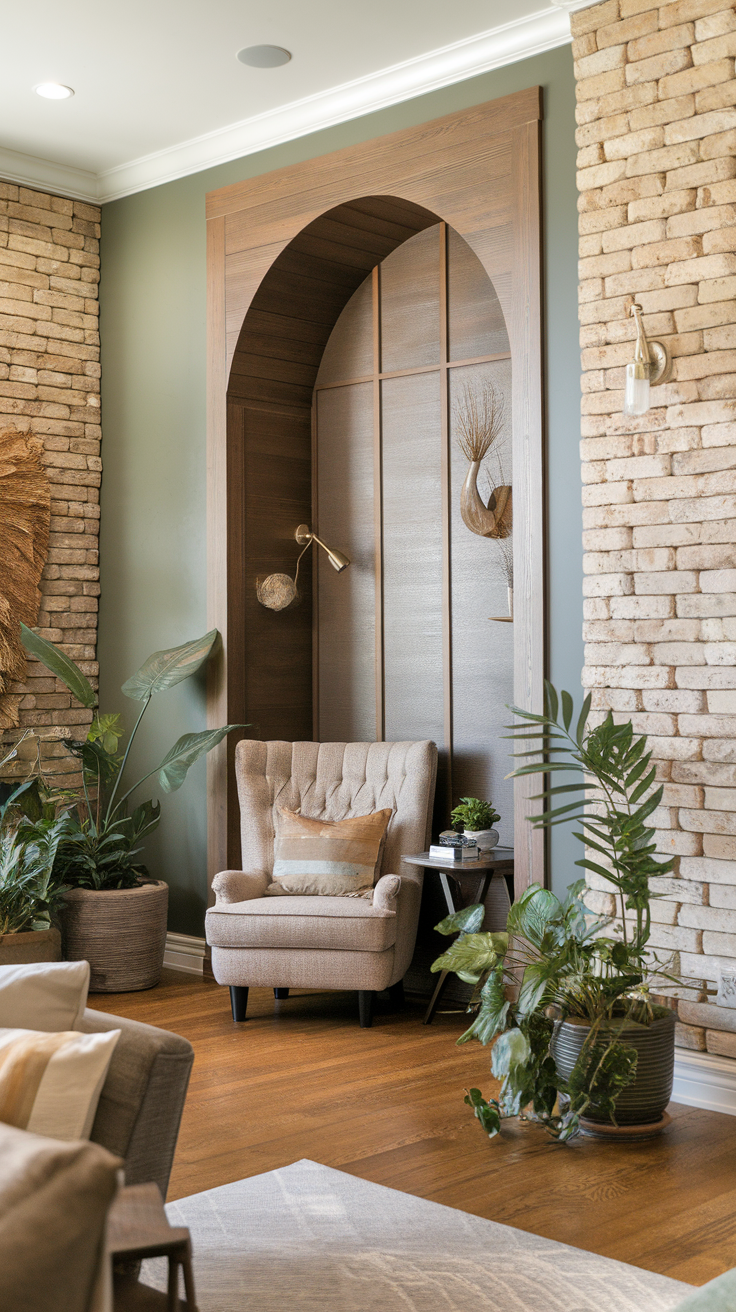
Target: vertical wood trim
x,y
446,510
528,480
378,504
315,576
217,544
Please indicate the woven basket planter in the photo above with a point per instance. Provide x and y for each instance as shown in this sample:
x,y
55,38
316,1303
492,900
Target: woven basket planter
x,y
121,932
644,1101
33,945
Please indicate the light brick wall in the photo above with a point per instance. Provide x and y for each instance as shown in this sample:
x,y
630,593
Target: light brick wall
x,y
50,386
657,179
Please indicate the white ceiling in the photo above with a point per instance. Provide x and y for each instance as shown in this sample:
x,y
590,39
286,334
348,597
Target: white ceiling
x,y
159,92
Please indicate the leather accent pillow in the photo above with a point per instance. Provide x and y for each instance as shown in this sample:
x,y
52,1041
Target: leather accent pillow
x,y
328,858
51,1081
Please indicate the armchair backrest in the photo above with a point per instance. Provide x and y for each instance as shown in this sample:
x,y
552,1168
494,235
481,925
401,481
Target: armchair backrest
x,y
333,781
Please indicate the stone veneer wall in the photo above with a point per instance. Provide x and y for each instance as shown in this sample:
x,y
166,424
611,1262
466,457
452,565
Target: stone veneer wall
x,y
657,181
50,386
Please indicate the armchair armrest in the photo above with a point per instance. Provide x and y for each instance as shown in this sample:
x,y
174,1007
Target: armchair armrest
x,y
386,892
238,886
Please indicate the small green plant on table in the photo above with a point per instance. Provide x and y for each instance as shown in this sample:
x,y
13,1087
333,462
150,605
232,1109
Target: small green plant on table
x,y
473,814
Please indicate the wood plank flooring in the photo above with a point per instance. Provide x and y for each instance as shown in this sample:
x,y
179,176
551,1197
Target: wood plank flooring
x,y
301,1079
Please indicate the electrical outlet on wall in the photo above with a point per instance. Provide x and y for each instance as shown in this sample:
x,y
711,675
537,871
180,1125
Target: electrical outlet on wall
x,y
726,996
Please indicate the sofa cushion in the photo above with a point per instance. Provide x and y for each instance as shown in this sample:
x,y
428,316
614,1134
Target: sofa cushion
x,y
53,1205
43,995
337,923
333,858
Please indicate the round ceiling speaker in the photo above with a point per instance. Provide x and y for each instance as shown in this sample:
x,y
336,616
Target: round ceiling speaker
x,y
264,56
276,592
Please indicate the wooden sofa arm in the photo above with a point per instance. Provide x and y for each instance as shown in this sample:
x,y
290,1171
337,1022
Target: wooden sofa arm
x,y
238,886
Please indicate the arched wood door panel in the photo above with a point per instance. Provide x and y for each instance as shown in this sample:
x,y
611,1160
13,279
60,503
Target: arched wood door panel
x,y
404,647
286,252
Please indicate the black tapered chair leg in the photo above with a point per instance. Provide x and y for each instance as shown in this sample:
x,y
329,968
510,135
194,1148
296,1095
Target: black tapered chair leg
x,y
396,994
280,994
238,1001
365,1008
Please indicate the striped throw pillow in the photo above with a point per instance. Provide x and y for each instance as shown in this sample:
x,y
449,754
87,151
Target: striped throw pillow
x,y
50,1083
329,858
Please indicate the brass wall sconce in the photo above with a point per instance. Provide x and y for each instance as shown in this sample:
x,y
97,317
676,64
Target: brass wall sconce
x,y
651,365
305,536
279,590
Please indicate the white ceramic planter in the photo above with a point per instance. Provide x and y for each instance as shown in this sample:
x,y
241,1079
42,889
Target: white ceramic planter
x,y
485,838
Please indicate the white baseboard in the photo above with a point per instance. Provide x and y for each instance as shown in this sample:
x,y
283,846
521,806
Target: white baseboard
x,y
185,952
705,1080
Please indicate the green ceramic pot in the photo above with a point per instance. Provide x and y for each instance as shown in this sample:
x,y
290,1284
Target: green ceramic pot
x,y
645,1099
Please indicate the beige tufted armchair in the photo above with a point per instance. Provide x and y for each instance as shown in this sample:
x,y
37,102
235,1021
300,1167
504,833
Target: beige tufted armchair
x,y
322,942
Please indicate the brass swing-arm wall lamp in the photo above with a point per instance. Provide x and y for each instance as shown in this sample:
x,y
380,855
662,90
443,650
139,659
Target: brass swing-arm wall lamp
x,y
279,590
304,536
651,365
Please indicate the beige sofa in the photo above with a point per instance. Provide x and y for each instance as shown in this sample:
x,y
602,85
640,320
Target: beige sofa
x,y
322,942
54,1199
142,1098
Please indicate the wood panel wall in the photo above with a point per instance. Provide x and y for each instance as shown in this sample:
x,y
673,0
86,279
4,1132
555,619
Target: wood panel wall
x,y
409,651
285,253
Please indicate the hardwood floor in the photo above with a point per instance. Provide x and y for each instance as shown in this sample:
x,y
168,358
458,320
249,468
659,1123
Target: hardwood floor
x,y
301,1079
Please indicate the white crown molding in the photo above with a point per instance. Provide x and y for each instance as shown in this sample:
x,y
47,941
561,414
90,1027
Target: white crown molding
x,y
45,175
571,6
505,44
185,952
705,1080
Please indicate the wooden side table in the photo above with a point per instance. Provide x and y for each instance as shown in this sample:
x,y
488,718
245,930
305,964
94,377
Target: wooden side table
x,y
138,1227
471,880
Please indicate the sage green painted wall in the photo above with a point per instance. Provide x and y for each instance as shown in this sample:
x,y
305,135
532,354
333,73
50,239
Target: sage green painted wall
x,y
153,413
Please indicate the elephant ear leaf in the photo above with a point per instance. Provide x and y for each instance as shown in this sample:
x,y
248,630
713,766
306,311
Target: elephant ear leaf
x,y
173,769
60,665
164,669
466,921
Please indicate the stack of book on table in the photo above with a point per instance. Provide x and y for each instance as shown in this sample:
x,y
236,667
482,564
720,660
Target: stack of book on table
x,y
450,852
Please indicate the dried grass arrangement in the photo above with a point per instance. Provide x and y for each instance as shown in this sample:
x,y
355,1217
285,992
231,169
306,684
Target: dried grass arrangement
x,y
25,513
479,415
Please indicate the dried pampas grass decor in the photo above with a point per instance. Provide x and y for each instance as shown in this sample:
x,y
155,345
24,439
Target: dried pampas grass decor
x,y
479,415
25,513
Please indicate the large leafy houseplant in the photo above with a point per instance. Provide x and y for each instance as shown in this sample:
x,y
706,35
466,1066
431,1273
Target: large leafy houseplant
x,y
33,823
557,962
101,845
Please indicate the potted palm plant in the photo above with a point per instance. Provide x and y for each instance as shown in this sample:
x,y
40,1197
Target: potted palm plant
x,y
580,1041
114,915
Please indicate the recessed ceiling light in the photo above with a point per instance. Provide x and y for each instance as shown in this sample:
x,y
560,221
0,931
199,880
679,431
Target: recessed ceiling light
x,y
53,91
264,56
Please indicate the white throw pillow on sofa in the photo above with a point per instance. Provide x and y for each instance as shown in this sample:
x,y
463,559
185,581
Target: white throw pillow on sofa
x,y
43,995
50,1081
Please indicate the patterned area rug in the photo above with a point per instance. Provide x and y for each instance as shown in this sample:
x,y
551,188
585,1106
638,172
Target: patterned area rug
x,y
310,1237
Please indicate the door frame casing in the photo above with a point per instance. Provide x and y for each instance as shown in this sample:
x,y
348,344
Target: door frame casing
x,y
478,170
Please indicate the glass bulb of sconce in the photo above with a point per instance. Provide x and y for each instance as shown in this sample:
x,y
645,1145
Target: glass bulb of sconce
x,y
636,394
